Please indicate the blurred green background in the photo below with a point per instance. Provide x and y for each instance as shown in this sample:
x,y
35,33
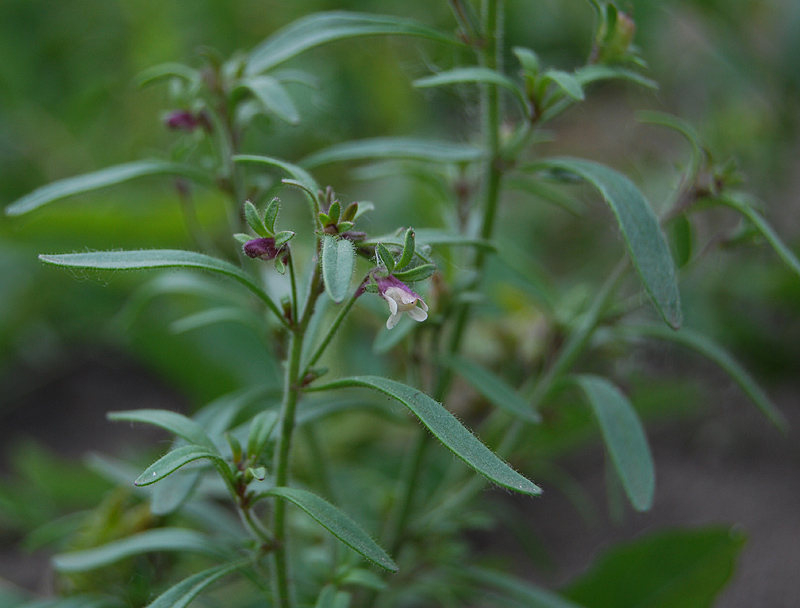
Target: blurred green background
x,y
68,106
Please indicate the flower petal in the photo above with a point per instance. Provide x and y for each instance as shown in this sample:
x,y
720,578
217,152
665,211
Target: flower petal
x,y
392,303
417,314
392,321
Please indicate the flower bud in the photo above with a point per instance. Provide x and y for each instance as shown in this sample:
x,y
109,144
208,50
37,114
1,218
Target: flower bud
x,y
263,248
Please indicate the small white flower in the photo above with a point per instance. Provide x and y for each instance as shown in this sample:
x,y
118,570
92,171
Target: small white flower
x,y
401,300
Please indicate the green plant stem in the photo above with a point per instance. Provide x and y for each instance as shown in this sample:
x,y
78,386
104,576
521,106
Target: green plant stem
x,y
293,281
291,393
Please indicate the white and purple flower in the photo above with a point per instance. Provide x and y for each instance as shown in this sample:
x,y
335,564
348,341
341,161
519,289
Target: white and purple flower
x,y
401,299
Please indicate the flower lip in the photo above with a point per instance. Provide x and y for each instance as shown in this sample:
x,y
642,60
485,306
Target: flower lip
x,y
401,299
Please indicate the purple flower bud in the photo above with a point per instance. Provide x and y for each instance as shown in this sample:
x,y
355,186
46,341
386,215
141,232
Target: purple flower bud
x,y
263,248
181,120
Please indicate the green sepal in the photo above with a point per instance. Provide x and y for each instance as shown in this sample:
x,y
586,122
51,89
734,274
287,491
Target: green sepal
x,y
335,212
345,226
280,267
271,214
349,213
419,273
408,250
261,428
283,237
259,473
386,257
324,219
254,220
242,237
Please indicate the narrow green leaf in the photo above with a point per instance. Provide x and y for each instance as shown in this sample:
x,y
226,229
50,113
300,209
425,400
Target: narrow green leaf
x,y
447,429
566,82
409,247
494,388
175,459
160,539
173,422
180,595
594,73
338,524
273,96
390,147
480,75
713,351
363,578
624,438
741,203
301,175
385,256
322,28
254,220
678,568
338,262
547,193
418,273
646,242
221,314
528,59
271,214
516,589
159,258
332,597
101,179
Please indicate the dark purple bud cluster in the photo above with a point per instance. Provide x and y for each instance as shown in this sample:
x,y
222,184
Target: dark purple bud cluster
x,y
263,248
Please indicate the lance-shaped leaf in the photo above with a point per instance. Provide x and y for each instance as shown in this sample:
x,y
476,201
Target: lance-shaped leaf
x,y
298,173
322,28
395,147
494,388
713,351
173,422
595,73
447,429
175,459
683,567
338,262
180,595
160,539
271,94
159,258
338,524
101,179
566,82
624,438
167,70
479,75
746,206
222,314
432,236
173,492
646,242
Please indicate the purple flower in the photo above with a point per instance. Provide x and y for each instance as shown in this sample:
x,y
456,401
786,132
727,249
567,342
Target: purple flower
x,y
263,248
401,300
184,120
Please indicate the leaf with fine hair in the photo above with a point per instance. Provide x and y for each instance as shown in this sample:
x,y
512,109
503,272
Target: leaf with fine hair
x,y
109,176
395,147
446,428
159,258
302,176
170,421
624,437
338,524
640,228
323,28
181,594
338,262
175,459
161,539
